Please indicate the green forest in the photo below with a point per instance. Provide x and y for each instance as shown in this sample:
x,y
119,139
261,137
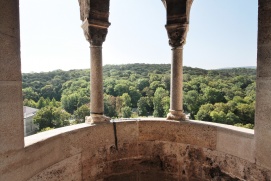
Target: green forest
x,y
140,90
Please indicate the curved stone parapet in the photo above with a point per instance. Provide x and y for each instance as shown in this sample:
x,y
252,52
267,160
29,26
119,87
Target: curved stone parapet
x,y
153,149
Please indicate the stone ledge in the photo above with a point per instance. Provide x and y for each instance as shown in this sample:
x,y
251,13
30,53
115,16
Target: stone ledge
x,y
30,140
248,132
226,138
139,137
40,137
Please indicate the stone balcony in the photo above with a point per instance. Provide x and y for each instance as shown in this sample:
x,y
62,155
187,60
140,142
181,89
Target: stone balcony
x,y
142,149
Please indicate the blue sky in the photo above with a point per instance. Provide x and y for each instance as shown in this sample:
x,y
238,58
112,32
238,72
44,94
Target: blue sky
x,y
222,34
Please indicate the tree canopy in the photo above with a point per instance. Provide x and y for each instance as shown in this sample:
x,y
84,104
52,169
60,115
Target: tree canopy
x,y
224,96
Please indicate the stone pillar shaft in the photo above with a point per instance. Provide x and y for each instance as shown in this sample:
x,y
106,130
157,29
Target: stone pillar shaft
x,y
176,89
96,78
263,89
176,86
11,99
177,27
95,14
95,34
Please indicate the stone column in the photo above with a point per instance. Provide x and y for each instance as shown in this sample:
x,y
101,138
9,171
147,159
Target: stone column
x,y
11,100
177,27
177,34
96,74
95,34
176,86
263,90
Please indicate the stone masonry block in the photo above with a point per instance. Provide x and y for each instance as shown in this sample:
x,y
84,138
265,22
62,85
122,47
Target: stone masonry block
x,y
68,169
180,132
10,65
236,143
132,176
154,176
34,159
127,131
263,123
11,116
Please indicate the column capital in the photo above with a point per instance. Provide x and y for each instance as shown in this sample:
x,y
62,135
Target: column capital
x,y
177,34
95,31
178,13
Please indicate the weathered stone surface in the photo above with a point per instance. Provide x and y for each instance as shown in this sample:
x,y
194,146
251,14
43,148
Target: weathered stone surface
x,y
231,166
125,150
10,65
178,13
193,163
94,9
133,176
166,157
154,176
9,59
176,86
68,169
97,104
128,165
127,131
180,132
95,14
263,93
264,55
263,124
177,34
25,163
177,27
95,32
11,116
236,143
150,149
96,148
96,83
11,107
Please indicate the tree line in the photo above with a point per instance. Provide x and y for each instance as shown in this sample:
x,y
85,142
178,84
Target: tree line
x,y
224,96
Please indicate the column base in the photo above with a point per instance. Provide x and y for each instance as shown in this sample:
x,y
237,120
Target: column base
x,y
97,118
176,115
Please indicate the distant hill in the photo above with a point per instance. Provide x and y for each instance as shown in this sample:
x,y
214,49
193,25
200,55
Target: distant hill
x,y
124,70
245,67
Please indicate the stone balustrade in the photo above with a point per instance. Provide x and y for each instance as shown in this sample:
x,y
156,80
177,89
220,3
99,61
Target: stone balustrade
x,y
142,149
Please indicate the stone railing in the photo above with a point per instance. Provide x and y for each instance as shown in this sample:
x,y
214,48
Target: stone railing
x,y
142,149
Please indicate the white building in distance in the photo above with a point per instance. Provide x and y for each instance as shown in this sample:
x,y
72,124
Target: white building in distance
x,y
29,126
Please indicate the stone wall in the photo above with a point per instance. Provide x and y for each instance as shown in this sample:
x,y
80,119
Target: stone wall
x,y
137,150
263,91
11,101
